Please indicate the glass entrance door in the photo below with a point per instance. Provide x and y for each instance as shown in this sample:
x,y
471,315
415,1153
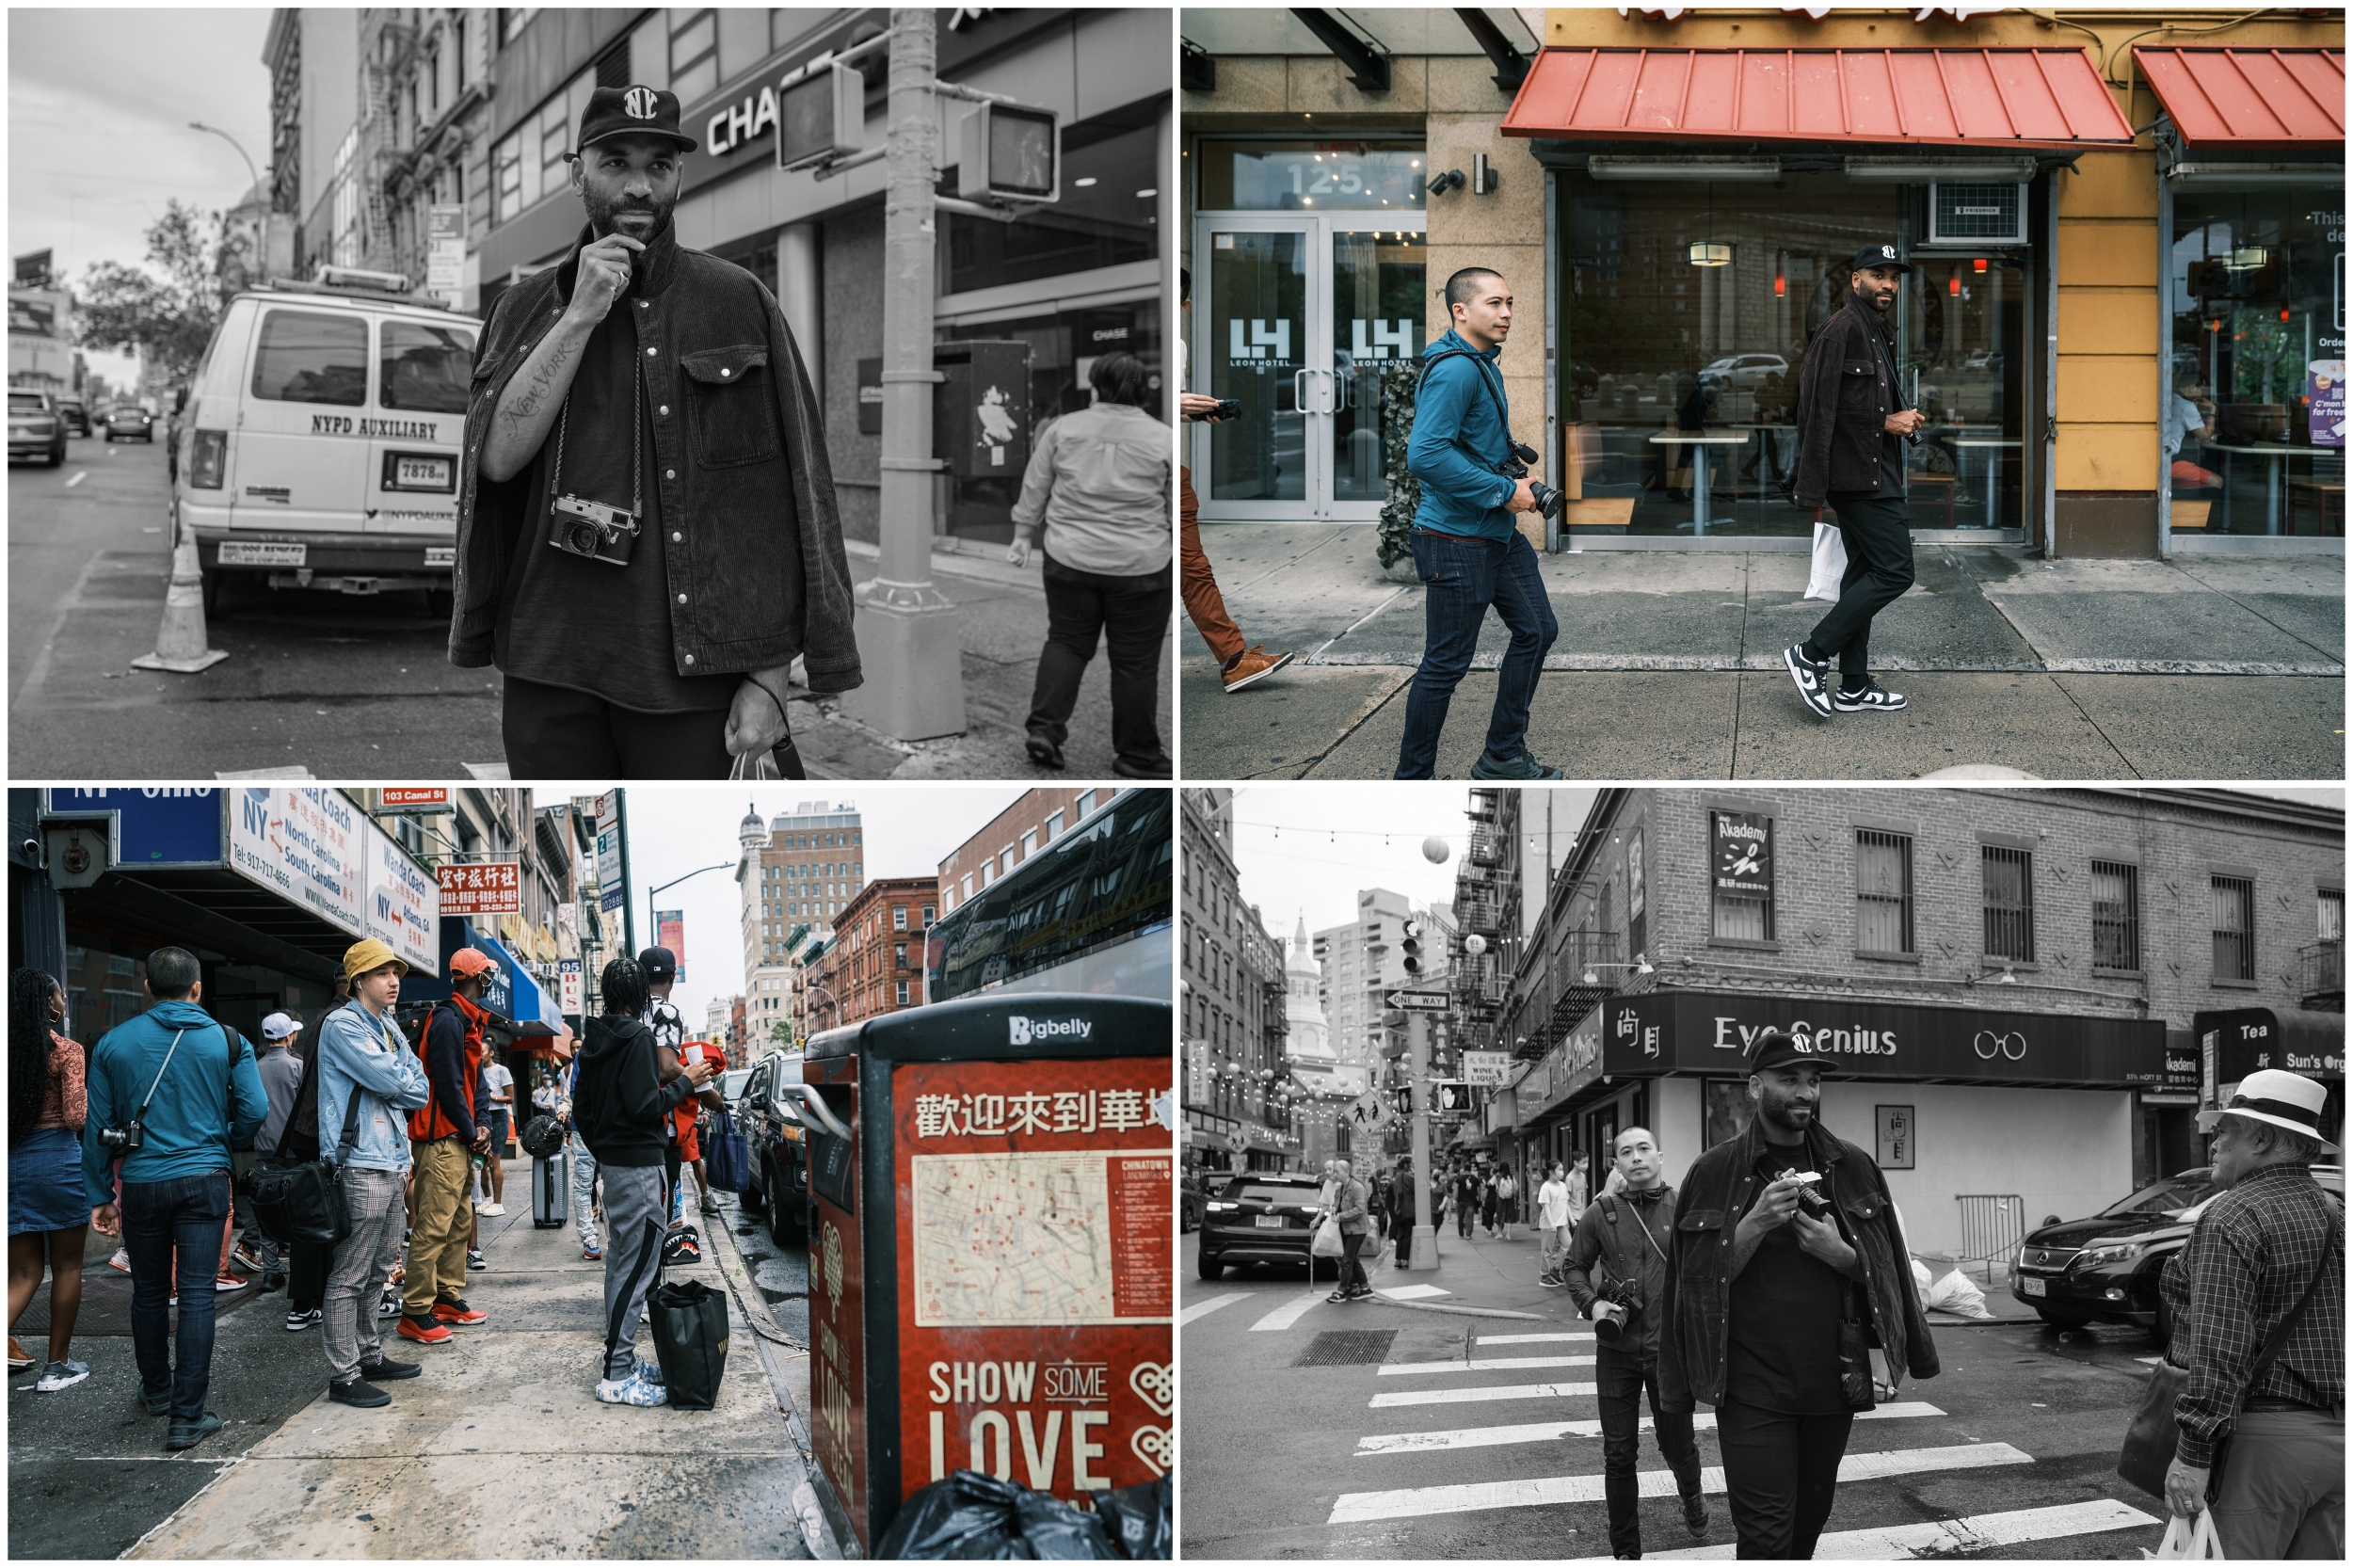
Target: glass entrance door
x,y
1295,318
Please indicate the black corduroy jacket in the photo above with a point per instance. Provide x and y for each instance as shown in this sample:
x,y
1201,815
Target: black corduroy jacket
x,y
1845,394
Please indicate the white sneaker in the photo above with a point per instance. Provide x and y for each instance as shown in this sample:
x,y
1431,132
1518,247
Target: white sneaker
x,y
120,1261
62,1374
489,1208
633,1389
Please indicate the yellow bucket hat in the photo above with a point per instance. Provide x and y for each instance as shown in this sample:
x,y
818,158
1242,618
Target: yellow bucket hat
x,y
360,957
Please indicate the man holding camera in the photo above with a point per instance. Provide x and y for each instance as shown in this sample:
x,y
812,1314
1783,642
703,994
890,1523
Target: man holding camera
x,y
1787,1269
1617,1273
1468,552
646,581
1852,428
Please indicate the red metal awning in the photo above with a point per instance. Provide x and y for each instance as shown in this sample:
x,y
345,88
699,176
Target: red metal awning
x,y
2272,99
1870,99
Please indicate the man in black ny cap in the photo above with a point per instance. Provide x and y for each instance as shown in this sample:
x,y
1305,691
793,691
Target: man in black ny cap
x,y
647,531
1789,1268
661,1015
1852,425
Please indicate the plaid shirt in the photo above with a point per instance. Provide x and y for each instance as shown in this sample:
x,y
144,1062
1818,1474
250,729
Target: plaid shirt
x,y
2246,1267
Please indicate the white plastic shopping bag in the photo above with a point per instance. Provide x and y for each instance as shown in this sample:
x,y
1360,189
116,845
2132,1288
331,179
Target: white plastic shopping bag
x,y
1327,1242
2190,1541
1829,563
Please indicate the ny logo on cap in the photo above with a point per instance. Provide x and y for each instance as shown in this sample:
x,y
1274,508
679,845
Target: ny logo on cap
x,y
1886,251
637,102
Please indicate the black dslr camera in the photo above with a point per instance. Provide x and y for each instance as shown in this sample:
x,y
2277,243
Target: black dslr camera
x,y
592,530
127,1139
1617,1307
1548,500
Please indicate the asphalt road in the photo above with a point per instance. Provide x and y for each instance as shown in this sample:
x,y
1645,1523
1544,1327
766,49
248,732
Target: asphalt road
x,y
1409,1447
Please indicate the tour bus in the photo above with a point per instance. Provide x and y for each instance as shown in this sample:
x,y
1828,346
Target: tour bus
x,y
1091,912
317,447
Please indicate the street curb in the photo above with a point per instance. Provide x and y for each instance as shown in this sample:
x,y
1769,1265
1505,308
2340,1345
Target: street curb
x,y
1464,1311
1654,664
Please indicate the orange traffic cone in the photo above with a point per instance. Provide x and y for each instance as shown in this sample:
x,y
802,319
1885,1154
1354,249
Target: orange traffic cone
x,y
179,642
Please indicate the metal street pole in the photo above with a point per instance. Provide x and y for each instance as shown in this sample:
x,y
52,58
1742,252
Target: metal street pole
x,y
629,913
1425,1219
250,171
653,922
909,633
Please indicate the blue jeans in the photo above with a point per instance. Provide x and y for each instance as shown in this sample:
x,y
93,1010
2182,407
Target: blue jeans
x,y
1465,576
182,1216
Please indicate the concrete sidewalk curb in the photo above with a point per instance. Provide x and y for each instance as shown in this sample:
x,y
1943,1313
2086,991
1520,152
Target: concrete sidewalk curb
x,y
1701,663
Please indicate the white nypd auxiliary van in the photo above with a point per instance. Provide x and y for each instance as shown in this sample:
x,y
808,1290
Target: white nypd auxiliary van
x,y
320,441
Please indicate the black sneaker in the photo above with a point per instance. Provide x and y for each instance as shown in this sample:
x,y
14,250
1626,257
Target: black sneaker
x,y
1338,1296
1812,677
382,1370
187,1435
273,1281
1869,697
156,1404
1695,1516
360,1392
1045,752
298,1320
1521,767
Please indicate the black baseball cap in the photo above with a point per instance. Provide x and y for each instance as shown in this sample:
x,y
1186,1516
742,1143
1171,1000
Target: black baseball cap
x,y
660,963
1879,255
1776,1050
632,112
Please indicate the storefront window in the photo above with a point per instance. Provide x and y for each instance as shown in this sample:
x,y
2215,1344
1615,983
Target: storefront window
x,y
1690,308
1107,216
2254,421
1725,1110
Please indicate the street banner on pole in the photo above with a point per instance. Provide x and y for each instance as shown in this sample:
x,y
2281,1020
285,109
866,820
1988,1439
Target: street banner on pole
x,y
669,930
445,254
487,888
570,986
609,888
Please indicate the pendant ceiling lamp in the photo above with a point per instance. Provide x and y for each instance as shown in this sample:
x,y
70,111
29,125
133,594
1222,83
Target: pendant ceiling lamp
x,y
1710,251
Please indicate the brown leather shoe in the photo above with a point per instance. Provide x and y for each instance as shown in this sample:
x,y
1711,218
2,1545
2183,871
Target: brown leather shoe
x,y
1257,664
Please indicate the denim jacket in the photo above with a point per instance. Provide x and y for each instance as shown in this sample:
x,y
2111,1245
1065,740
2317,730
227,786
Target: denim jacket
x,y
362,1054
1718,1191
745,425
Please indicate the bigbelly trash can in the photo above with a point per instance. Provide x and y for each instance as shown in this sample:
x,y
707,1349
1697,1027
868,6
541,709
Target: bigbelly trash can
x,y
992,1262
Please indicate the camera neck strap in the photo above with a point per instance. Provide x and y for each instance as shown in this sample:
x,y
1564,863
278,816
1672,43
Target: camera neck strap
x,y
636,439
140,1115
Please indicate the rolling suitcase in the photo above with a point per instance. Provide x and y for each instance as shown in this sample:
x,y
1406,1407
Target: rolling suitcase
x,y
552,1190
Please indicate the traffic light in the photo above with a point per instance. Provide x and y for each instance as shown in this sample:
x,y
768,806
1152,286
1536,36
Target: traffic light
x,y
822,116
1412,948
1010,152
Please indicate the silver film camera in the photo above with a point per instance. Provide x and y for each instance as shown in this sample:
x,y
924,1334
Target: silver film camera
x,y
593,531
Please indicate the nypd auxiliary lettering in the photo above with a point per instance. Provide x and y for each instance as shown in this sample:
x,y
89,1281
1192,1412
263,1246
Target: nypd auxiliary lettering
x,y
343,425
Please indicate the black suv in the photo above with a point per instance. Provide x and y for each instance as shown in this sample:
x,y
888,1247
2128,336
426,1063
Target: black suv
x,y
772,1126
1259,1217
2106,1269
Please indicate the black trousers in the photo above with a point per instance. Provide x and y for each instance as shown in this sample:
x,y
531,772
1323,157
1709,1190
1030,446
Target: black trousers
x,y
1781,1476
555,732
1352,1267
307,1267
1129,615
1877,535
1620,1381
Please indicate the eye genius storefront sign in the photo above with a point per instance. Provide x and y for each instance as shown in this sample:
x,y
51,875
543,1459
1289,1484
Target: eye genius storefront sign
x,y
1689,1031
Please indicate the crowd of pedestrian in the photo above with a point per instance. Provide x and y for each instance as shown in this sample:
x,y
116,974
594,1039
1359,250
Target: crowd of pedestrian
x,y
147,1135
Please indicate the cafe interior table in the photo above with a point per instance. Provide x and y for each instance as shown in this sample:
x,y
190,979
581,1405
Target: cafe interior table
x,y
1699,440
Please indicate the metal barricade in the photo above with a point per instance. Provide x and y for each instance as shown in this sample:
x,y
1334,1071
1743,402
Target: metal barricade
x,y
1992,1225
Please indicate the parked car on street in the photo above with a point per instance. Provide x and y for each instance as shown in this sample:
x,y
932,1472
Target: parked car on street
x,y
2106,1269
771,1125
35,429
1259,1217
731,1085
127,421
1746,371
76,413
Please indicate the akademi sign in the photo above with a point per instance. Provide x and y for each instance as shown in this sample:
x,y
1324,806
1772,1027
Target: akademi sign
x,y
1711,1032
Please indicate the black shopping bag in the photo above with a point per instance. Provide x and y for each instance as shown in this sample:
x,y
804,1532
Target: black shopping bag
x,y
689,1336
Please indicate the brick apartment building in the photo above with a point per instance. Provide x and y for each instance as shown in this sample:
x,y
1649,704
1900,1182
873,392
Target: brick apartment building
x,y
2029,991
876,965
1018,832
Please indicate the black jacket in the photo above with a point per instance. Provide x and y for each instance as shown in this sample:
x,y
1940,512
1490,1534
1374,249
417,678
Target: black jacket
x,y
1845,395
748,426
1616,1244
1718,1191
619,1104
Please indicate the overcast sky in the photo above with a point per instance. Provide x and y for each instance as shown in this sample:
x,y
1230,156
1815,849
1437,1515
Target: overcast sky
x,y
908,828
99,104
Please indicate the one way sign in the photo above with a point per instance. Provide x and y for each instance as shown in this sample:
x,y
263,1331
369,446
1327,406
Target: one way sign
x,y
1419,1001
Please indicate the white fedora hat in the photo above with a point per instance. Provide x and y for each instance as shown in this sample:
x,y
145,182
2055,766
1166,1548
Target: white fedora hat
x,y
2282,1099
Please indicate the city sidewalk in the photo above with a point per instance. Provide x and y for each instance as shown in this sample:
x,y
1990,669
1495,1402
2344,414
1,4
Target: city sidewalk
x,y
1668,665
500,1448
1485,1276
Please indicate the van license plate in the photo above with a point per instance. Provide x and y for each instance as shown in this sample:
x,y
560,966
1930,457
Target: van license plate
x,y
422,473
2030,1286
1269,1222
239,552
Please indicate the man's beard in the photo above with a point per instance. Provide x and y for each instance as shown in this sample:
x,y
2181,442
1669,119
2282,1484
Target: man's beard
x,y
1870,300
602,216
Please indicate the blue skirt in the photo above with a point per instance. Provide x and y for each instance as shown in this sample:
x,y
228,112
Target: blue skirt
x,y
45,1190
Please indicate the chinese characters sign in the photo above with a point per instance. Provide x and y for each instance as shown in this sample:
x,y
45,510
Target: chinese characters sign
x,y
487,888
1079,1111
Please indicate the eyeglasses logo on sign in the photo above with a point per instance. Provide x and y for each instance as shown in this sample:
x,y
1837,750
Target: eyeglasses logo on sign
x,y
2010,1047
1023,1030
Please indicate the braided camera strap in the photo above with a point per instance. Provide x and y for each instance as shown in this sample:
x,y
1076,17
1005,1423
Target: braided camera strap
x,y
636,440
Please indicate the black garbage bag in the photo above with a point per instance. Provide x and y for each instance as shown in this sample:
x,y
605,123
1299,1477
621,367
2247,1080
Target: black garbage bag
x,y
689,1336
1141,1519
542,1137
977,1517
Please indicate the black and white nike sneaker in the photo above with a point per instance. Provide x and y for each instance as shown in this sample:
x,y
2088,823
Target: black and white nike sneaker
x,y
1870,698
1812,679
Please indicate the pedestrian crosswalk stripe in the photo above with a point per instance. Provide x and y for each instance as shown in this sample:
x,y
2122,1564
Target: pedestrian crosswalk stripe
x,y
1473,1395
1493,1364
1286,1315
1544,1432
1946,1537
1412,1292
1531,1338
1353,1508
1202,1309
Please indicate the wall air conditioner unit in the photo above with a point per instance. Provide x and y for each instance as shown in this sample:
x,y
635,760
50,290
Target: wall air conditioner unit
x,y
1976,214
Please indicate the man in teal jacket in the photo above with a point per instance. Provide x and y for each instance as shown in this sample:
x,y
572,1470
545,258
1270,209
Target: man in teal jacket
x,y
1468,552
203,1097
